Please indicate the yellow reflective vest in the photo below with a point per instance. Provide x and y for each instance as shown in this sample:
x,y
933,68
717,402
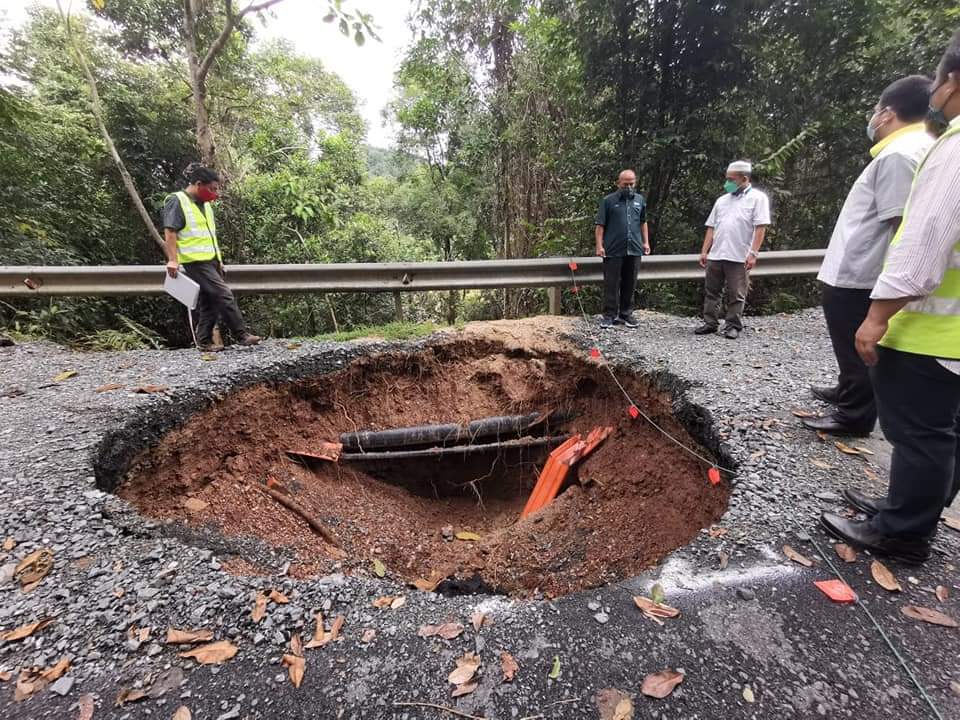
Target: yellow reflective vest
x,y
930,326
197,240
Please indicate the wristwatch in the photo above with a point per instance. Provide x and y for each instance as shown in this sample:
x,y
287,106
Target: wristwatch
x,y
755,253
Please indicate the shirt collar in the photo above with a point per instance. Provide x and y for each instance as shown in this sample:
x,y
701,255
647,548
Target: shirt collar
x,y
744,190
878,148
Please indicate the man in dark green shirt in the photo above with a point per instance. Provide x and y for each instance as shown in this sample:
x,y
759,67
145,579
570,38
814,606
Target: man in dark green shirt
x,y
622,240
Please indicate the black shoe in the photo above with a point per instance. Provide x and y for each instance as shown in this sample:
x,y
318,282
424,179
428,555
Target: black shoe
x,y
606,323
863,503
831,396
862,535
705,330
628,320
731,333
829,424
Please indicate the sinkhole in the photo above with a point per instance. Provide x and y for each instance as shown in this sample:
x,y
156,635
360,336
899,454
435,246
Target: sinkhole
x,y
444,511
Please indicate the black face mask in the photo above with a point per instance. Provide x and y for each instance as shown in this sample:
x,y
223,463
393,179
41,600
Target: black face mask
x,y
937,122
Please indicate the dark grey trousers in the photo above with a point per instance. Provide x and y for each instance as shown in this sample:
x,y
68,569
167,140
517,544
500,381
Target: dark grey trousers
x,y
619,283
845,309
216,301
737,280
919,403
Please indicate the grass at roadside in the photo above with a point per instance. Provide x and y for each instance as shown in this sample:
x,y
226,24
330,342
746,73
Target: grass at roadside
x,y
390,331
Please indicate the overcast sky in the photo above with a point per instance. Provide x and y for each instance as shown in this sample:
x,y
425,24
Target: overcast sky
x,y
368,70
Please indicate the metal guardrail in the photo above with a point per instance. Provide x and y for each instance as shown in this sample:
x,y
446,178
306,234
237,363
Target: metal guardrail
x,y
27,281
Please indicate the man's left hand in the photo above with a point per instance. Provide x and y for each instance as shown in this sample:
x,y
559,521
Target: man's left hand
x,y
868,337
751,261
646,249
221,269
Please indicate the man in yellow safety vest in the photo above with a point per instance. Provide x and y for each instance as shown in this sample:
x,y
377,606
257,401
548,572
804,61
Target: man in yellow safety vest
x,y
911,341
190,235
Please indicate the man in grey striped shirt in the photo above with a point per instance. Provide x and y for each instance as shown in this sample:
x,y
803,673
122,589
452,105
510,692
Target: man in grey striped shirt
x,y
911,341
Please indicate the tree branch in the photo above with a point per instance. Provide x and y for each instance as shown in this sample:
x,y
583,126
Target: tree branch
x,y
228,28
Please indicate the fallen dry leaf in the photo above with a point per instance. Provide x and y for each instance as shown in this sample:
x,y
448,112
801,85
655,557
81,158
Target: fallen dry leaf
x,y
296,645
555,670
208,357
56,671
803,413
614,705
467,536
448,631
168,680
379,569
655,610
129,695
26,630
182,713
33,568
942,593
479,619
195,504
87,705
844,448
871,475
65,375
508,666
797,557
214,653
657,594
845,552
398,602
822,435
884,577
259,607
384,601
661,684
429,584
955,687
296,666
748,694
724,560
185,637
952,523
320,636
927,615
465,689
467,667
336,627
149,389
5,675
863,450
821,464
9,544
108,387
716,531
278,597
368,635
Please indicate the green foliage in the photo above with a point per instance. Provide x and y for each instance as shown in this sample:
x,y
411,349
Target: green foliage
x,y
390,331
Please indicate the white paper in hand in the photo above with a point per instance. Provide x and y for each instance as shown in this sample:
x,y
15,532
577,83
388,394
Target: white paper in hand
x,y
183,289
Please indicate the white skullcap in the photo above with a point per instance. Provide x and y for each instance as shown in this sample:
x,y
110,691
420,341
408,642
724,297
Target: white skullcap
x,y
740,166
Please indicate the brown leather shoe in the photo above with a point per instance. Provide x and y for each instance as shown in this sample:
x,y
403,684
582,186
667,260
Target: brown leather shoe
x,y
250,339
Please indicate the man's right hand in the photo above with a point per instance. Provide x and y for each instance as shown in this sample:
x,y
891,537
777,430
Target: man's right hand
x,y
172,268
601,252
703,260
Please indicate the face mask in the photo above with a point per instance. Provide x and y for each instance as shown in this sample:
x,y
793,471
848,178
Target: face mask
x,y
937,122
730,186
205,194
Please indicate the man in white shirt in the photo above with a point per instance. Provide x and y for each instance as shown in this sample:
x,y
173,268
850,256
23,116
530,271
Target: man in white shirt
x,y
911,341
864,229
735,231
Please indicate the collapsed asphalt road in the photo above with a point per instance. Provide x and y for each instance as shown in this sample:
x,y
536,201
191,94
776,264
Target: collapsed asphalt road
x,y
755,639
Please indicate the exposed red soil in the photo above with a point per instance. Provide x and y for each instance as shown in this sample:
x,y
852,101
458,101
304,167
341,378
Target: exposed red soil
x,y
638,496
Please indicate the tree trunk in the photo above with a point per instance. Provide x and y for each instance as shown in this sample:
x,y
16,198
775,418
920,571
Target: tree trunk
x,y
198,87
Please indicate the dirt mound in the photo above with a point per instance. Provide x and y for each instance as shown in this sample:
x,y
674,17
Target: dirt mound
x,y
637,498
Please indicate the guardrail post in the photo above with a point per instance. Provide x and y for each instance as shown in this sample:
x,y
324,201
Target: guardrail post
x,y
398,306
555,301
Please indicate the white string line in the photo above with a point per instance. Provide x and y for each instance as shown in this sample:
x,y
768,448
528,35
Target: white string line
x,y
883,634
606,364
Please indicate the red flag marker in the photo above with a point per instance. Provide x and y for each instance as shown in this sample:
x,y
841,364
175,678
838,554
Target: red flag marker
x,y
594,353
574,289
713,475
572,265
634,412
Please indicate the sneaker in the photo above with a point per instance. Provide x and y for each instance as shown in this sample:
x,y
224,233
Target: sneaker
x,y
630,321
249,339
606,322
211,347
705,330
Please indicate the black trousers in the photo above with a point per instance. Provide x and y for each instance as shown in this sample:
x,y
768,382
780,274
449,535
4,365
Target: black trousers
x,y
216,301
919,403
619,283
845,309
